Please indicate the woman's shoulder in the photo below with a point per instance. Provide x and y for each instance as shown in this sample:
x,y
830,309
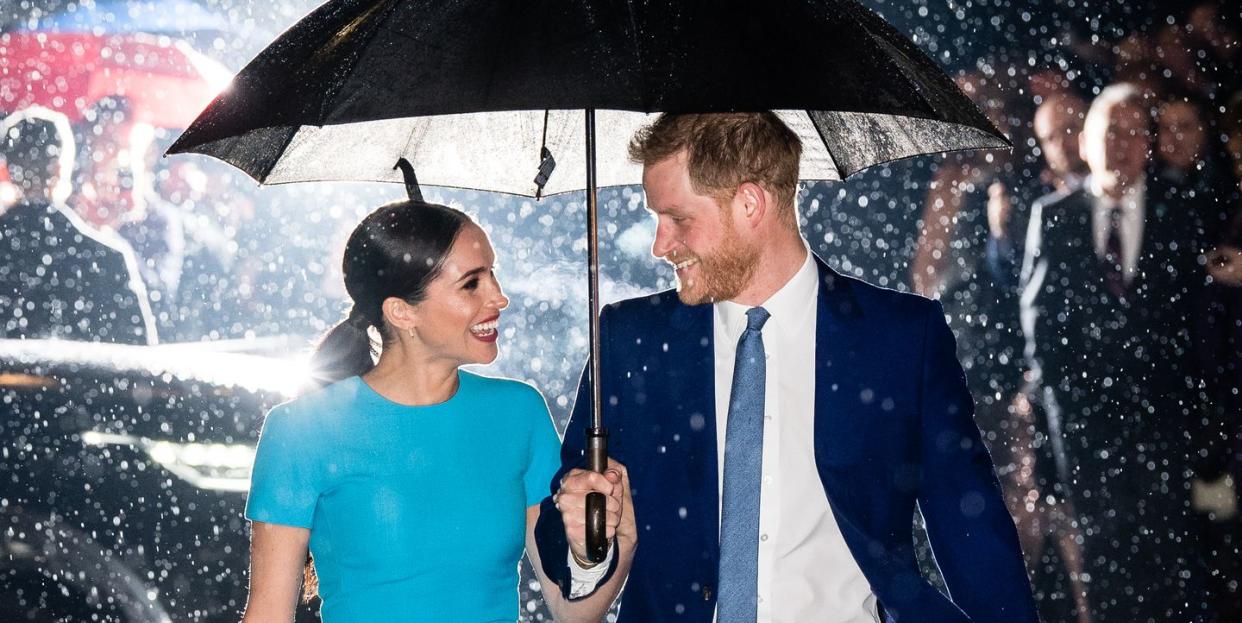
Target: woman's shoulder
x,y
498,388
316,404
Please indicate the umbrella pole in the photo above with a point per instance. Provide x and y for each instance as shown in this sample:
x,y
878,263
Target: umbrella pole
x,y
596,434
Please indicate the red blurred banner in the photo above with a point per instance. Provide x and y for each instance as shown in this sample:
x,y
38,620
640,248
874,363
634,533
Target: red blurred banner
x,y
166,82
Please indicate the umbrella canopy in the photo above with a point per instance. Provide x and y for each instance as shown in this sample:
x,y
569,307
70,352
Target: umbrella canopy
x,y
164,79
358,84
482,94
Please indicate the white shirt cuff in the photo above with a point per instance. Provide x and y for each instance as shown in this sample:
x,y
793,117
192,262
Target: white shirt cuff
x,y
584,581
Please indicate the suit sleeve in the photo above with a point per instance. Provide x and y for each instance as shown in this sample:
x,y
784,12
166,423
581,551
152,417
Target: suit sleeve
x,y
550,530
971,533
1032,311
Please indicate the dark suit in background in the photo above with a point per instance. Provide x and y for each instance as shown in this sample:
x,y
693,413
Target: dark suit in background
x,y
60,279
1117,382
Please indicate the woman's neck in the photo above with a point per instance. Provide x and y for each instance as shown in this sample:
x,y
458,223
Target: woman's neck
x,y
404,378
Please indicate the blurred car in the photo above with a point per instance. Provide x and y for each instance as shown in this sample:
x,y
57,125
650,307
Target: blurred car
x,y
123,478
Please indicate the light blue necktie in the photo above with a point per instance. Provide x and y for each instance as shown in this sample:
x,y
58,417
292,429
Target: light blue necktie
x,y
743,464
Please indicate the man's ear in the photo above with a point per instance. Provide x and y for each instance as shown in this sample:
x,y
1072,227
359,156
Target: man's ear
x,y
752,204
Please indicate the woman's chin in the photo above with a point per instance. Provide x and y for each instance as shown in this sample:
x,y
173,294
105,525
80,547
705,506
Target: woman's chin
x,y
488,356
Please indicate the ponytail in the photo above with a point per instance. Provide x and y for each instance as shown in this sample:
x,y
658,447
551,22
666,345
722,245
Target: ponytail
x,y
345,350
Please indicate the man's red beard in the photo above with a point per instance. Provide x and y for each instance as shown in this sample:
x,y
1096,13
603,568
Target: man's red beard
x,y
719,276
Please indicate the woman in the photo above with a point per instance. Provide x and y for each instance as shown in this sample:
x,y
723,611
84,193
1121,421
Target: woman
x,y
410,480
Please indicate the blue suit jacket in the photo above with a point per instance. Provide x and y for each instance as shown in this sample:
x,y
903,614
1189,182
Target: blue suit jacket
x,y
893,428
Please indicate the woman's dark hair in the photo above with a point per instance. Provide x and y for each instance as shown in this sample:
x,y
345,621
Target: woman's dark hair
x,y
396,251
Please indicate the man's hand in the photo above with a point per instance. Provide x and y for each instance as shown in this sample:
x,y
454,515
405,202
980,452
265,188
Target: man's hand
x,y
999,209
1224,264
570,499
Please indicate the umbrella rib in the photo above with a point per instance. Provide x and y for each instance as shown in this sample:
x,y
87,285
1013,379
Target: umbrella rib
x,y
415,124
353,67
290,135
327,98
827,146
862,17
868,20
638,53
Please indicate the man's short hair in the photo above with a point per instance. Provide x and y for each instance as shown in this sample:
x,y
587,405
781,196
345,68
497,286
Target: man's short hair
x,y
37,144
725,150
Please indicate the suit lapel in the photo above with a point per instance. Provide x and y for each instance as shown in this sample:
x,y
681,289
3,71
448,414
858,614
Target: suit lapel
x,y
836,346
692,388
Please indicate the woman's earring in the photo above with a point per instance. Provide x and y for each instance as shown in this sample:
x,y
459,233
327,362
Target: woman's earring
x,y
411,331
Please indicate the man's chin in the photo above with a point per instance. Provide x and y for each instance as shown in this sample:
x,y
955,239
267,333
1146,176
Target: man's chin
x,y
690,295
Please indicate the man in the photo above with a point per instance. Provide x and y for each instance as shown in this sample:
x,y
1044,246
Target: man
x,y
1109,277
57,277
779,421
1058,122
1186,173
117,194
1180,139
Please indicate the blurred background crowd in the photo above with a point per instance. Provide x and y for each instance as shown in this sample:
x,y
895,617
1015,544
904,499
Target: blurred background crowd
x,y
1092,275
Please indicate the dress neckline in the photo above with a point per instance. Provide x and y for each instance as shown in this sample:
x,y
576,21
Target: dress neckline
x,y
366,388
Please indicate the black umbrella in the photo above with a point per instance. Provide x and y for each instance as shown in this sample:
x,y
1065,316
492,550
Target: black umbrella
x,y
489,95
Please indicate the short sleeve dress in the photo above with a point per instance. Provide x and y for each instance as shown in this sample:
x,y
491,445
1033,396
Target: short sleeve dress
x,y
416,513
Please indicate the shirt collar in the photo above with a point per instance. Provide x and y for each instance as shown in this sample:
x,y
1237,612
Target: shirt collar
x,y
789,306
1131,199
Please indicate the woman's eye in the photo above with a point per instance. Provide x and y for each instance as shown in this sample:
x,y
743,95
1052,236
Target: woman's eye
x,y
472,284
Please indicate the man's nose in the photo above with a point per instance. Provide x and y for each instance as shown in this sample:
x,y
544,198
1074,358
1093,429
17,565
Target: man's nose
x,y
664,242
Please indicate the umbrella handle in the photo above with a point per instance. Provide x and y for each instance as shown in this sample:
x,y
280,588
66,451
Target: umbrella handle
x,y
596,504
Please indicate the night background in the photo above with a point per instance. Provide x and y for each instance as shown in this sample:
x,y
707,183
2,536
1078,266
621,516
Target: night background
x,y
115,502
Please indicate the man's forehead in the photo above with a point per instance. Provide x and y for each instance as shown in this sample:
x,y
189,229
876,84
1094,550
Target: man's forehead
x,y
653,206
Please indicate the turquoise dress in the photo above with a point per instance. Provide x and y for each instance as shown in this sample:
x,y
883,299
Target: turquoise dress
x,y
415,513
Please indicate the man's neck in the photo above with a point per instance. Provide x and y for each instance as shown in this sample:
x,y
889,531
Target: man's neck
x,y
36,198
1115,189
778,263
1067,182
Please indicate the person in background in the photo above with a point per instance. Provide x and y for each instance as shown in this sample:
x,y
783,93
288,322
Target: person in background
x,y
1058,124
58,277
966,257
116,194
1219,338
1107,298
1051,538
1181,143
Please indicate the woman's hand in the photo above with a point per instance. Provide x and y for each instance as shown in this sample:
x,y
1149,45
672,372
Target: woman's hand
x,y
614,483
570,500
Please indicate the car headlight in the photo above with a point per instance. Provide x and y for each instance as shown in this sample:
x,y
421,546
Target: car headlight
x,y
215,466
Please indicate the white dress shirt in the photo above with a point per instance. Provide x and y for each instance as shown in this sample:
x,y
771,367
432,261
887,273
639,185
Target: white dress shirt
x,y
1133,212
806,571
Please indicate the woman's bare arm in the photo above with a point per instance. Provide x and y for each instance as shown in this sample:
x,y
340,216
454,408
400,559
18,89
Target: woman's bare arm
x,y
593,608
277,560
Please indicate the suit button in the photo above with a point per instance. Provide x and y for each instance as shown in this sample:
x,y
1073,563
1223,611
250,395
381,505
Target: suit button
x,y
707,593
